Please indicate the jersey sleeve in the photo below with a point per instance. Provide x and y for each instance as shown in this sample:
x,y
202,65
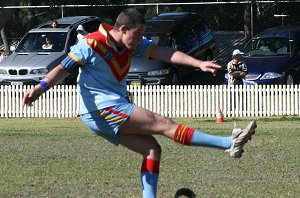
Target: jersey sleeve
x,y
78,56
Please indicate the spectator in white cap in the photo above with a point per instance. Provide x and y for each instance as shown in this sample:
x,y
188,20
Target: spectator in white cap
x,y
236,68
80,33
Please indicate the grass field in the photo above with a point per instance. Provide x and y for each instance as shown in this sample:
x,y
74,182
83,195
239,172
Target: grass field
x,y
60,158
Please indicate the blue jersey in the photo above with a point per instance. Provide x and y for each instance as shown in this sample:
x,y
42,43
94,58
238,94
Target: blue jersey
x,y
103,69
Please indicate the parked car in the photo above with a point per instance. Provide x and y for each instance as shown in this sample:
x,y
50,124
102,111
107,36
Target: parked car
x,y
184,31
273,56
30,62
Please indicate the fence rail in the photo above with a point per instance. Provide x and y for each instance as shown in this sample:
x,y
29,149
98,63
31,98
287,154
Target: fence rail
x,y
171,101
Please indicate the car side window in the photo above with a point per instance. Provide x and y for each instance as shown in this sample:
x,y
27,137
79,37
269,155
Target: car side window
x,y
92,26
30,43
202,31
199,29
72,39
191,39
185,37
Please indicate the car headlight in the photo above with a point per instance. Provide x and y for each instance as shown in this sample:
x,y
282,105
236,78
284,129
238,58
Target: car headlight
x,y
3,71
159,72
43,71
270,75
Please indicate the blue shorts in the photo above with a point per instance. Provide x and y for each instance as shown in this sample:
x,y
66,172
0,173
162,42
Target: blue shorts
x,y
107,122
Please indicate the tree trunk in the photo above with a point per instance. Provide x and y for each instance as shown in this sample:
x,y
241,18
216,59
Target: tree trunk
x,y
30,16
5,42
6,15
247,23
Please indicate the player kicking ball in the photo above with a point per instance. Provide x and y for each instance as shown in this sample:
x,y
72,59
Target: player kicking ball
x,y
103,59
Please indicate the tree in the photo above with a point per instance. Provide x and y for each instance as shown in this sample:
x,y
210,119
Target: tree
x,y
5,15
247,23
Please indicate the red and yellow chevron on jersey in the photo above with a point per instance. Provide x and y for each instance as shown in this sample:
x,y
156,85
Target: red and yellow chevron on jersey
x,y
119,62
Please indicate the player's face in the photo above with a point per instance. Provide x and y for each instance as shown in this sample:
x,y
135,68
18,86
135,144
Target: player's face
x,y
132,37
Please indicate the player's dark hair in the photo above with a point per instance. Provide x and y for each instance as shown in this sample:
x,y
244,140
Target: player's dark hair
x,y
129,17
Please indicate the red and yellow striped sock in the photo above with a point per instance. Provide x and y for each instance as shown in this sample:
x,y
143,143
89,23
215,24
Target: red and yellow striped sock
x,y
183,134
150,165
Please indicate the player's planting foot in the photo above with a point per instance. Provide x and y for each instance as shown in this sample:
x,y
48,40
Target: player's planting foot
x,y
240,138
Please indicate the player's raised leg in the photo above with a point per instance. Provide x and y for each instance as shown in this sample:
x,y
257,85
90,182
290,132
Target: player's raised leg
x,y
144,122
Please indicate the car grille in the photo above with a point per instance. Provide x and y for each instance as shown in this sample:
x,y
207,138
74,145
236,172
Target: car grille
x,y
15,72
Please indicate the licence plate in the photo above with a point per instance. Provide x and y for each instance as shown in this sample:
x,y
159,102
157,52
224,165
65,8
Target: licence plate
x,y
16,83
135,83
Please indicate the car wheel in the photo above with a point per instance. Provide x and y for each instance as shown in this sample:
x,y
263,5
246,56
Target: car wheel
x,y
289,79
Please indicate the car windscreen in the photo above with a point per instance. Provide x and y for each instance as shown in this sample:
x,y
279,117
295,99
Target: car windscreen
x,y
271,46
43,42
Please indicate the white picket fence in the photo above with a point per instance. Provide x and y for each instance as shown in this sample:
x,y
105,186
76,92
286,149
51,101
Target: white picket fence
x,y
171,101
61,101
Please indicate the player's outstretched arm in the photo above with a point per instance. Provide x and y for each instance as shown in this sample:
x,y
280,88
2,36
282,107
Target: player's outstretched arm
x,y
172,56
54,77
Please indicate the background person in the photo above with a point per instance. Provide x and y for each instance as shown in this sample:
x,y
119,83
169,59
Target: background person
x,y
49,43
236,68
268,46
103,61
54,24
80,33
2,55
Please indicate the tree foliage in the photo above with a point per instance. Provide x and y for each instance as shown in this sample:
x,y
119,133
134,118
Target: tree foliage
x,y
230,17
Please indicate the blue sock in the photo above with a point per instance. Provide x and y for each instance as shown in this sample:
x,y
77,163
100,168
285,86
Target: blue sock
x,y
203,139
149,184
149,177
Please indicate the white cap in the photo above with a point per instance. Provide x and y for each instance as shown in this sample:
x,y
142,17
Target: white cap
x,y
80,27
236,52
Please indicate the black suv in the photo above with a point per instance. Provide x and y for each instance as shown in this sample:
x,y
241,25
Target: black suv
x,y
184,31
30,63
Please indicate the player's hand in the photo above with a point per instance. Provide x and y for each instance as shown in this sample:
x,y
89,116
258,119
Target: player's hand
x,y
209,66
31,96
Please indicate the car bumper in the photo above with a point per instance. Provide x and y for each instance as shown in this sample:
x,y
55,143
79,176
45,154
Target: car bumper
x,y
161,80
277,81
256,80
18,80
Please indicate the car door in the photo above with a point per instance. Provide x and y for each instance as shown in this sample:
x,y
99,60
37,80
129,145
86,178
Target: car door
x,y
295,61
